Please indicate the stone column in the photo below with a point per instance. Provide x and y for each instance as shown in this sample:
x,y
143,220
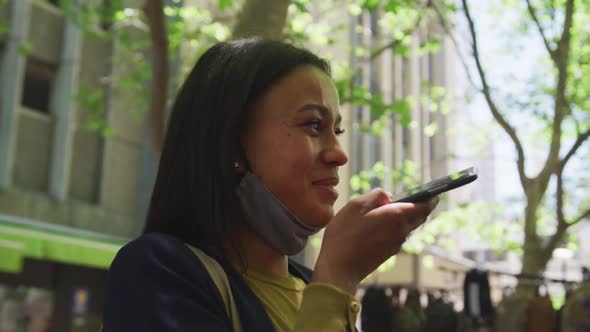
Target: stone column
x,y
11,86
62,108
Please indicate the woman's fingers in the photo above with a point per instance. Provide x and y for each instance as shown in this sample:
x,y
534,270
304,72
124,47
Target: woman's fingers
x,y
371,200
367,231
402,218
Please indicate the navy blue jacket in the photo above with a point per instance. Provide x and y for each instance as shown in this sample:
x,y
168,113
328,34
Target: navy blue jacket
x,y
156,283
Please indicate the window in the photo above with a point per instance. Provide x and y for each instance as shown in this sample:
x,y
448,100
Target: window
x,y
37,86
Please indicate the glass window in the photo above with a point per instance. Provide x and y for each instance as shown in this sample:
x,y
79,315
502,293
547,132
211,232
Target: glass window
x,y
37,86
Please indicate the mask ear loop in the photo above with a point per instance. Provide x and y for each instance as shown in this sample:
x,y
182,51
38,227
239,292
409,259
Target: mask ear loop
x,y
241,164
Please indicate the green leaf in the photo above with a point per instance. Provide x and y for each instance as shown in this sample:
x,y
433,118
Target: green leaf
x,y
402,109
355,183
4,28
343,87
431,129
223,4
354,9
25,48
379,167
370,5
377,127
401,50
301,5
316,242
428,262
392,6
106,131
361,95
389,264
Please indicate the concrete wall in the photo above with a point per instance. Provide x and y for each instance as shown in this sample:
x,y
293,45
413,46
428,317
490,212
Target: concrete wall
x,y
33,150
46,32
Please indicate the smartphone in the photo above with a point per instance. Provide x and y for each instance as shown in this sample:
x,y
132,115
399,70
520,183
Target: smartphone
x,y
438,186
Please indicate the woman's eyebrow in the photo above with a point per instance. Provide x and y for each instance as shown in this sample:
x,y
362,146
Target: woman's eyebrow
x,y
324,111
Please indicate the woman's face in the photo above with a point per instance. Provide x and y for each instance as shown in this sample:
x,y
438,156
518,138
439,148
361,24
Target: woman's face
x,y
291,143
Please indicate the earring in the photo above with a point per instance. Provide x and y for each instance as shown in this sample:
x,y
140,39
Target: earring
x,y
236,164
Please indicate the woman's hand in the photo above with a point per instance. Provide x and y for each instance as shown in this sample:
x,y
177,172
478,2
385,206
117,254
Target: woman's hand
x,y
363,234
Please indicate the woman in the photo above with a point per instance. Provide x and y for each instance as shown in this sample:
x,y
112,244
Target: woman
x,y
247,174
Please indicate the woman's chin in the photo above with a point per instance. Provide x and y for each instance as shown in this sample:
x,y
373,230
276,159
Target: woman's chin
x,y
321,217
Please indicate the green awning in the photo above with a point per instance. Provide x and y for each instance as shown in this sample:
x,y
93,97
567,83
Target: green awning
x,y
20,240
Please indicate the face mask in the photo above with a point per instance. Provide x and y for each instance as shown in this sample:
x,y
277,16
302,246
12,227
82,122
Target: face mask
x,y
267,215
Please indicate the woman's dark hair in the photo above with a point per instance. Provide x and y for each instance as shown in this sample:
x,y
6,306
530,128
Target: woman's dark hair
x,y
194,196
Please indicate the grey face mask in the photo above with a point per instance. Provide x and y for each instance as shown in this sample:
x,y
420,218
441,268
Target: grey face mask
x,y
270,219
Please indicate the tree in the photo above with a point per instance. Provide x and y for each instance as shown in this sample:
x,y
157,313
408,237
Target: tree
x,y
258,17
557,106
564,121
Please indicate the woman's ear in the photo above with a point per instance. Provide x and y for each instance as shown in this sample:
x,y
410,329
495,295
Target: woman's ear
x,y
239,167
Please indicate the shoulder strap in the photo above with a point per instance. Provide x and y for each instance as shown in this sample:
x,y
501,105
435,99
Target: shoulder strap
x,y
220,279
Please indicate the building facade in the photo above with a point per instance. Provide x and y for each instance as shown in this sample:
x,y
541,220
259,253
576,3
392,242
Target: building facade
x,y
69,194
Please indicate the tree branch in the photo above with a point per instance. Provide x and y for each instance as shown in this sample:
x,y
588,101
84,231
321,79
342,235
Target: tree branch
x,y
448,31
261,18
559,197
561,229
562,224
561,107
582,216
356,70
564,42
555,239
154,10
394,42
487,94
533,14
377,52
579,141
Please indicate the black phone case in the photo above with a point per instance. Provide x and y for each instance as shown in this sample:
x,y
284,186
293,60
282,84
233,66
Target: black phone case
x,y
427,194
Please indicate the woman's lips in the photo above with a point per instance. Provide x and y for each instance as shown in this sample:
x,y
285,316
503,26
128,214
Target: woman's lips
x,y
332,182
326,188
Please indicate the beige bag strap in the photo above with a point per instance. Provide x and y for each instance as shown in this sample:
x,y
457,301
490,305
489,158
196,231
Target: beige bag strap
x,y
220,279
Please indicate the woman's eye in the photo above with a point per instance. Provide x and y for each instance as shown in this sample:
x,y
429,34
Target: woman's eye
x,y
339,131
314,125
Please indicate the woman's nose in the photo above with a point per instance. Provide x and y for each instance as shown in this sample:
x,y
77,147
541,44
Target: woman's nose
x,y
335,154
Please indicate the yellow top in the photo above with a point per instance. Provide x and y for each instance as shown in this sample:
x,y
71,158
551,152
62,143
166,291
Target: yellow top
x,y
294,306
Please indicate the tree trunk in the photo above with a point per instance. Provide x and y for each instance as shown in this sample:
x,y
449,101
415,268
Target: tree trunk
x,y
511,313
154,10
264,18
